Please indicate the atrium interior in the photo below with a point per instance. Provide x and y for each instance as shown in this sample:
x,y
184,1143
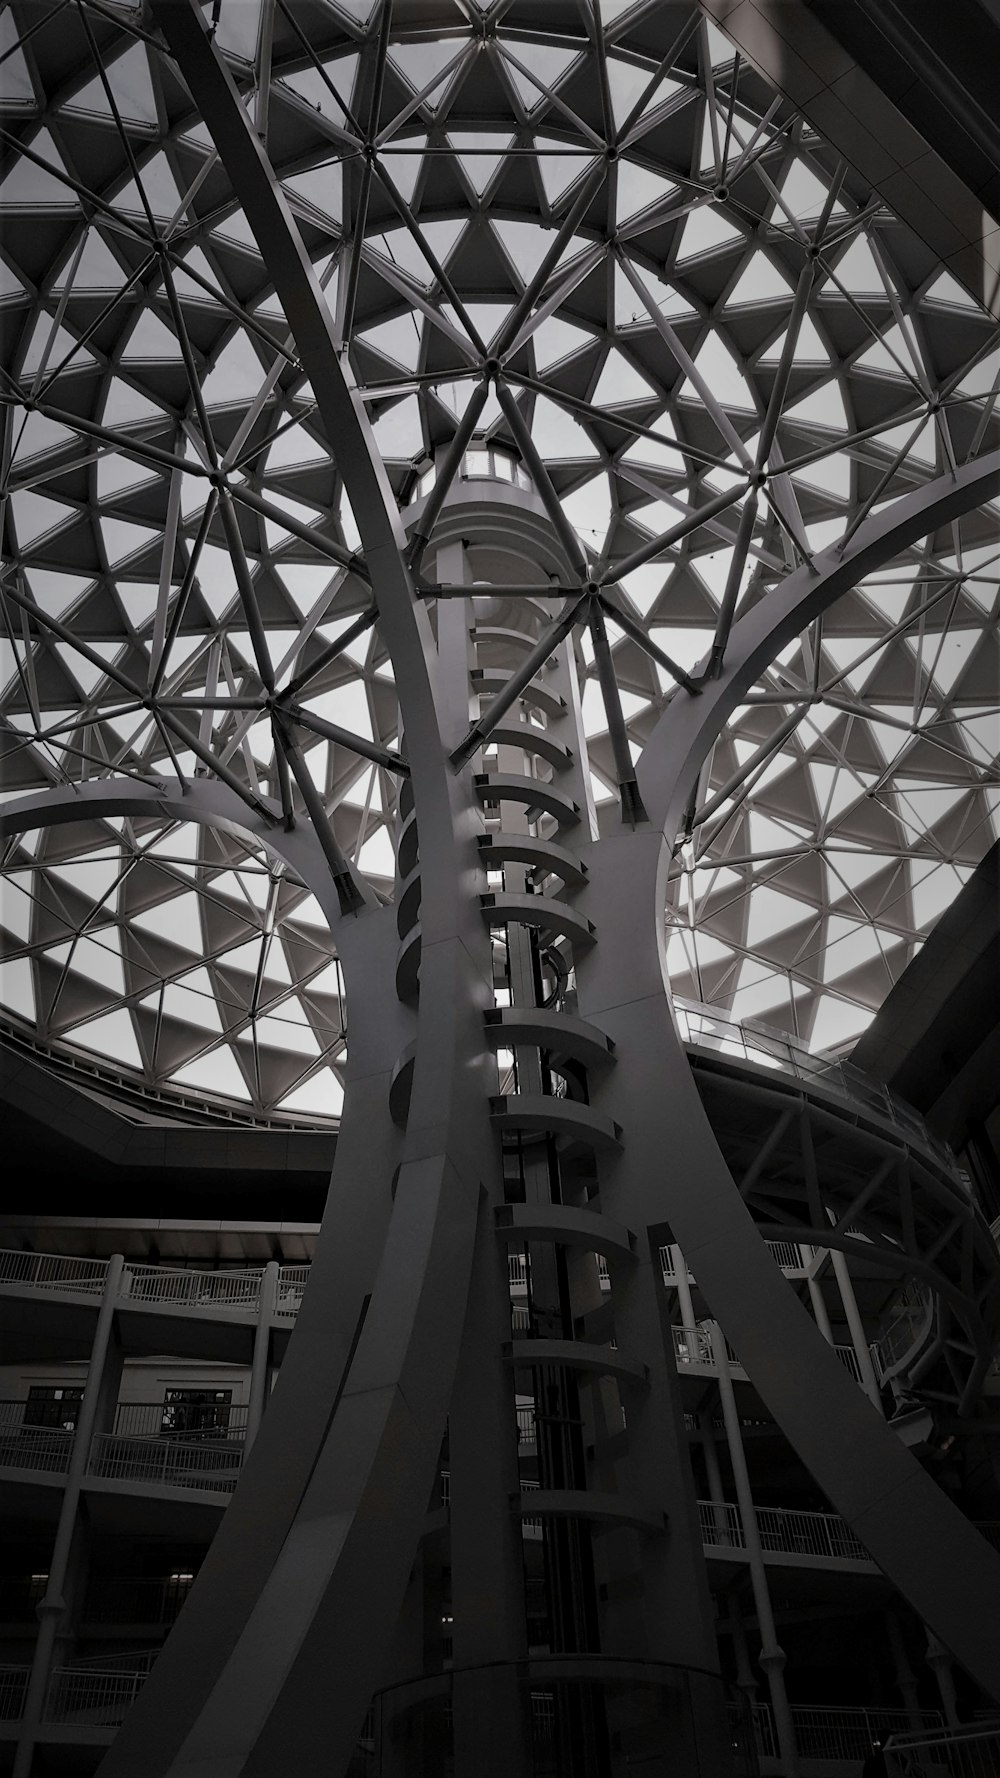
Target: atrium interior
x,y
499,898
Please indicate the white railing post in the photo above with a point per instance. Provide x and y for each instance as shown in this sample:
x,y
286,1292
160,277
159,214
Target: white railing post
x,y
772,1655
52,1607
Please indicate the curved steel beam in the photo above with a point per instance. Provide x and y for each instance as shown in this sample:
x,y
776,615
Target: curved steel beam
x,y
672,757
230,1691
919,1539
205,801
277,1470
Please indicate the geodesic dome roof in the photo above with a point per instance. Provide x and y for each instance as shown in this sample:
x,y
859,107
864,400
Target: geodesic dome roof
x,y
680,286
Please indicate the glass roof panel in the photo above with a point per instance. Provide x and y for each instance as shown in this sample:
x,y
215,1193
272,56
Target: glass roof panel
x,y
643,368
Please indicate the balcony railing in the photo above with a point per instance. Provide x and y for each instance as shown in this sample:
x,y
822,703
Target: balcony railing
x,y
183,1289
841,1731
791,1256
192,1421
53,1271
911,1315
169,1287
99,1693
945,1753
292,1281
92,1694
782,1531
693,1346
13,1691
172,1462
705,1028
24,1446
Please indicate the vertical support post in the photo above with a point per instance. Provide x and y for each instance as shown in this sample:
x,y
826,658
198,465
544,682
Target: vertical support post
x,y
772,1655
684,1298
487,1589
939,1662
261,1361
717,1493
816,1297
745,1677
52,1607
905,1677
852,1315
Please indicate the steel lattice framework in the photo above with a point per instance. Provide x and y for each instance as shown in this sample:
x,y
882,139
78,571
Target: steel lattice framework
x,y
688,298
309,274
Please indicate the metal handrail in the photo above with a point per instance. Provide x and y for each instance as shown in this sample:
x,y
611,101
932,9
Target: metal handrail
x,y
840,1731
53,1271
693,1346
42,1448
145,1419
972,1752
13,1691
707,1028
292,1281
182,1288
782,1531
236,1289
167,1462
791,1256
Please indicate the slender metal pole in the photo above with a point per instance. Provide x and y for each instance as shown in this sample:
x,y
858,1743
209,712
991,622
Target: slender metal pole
x,y
260,1363
772,1655
852,1315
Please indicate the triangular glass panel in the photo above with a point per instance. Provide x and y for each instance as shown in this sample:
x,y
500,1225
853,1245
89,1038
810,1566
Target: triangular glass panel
x,y
310,85
320,1096
548,62
760,281
159,188
559,166
111,1036
479,153
216,1072
639,188
35,516
705,231
857,271
131,84
620,383
558,436
30,187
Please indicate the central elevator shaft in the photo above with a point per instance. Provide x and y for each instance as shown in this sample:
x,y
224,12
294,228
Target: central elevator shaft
x,y
567,1623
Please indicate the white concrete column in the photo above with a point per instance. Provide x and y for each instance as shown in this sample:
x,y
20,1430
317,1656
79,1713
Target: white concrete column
x,y
852,1315
52,1607
772,1656
260,1367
